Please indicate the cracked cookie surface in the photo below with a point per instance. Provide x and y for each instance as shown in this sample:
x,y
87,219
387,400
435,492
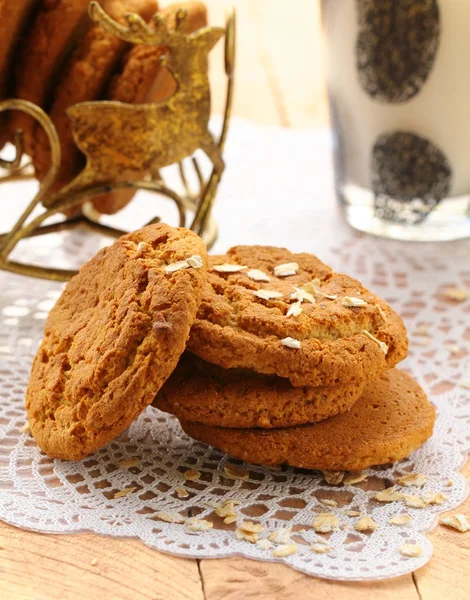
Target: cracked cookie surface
x,y
202,392
112,339
391,419
244,319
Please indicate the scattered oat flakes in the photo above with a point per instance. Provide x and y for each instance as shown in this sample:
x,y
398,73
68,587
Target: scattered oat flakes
x,y
320,548
389,495
169,517
285,550
195,261
290,342
198,525
181,492
333,477
93,562
177,266
353,478
423,341
414,501
264,544
286,269
352,513
192,475
248,531
301,295
128,463
383,346
124,492
325,522
422,329
411,550
400,519
433,498
381,311
295,309
412,480
352,302
465,383
228,268
452,348
365,524
329,502
314,287
457,294
25,427
280,535
267,294
258,275
456,521
236,472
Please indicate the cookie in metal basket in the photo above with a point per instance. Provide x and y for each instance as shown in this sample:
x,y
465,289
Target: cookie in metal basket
x,y
113,337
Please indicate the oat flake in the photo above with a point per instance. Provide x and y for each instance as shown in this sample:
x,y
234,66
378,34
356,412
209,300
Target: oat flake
x,y
352,302
285,550
365,524
295,309
267,294
383,346
389,495
456,521
320,548
195,261
412,480
177,266
228,268
286,269
198,525
411,550
325,522
280,535
257,275
192,475
400,520
290,343
236,472
128,463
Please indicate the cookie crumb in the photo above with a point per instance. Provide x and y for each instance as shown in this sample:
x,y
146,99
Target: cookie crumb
x,y
195,261
177,266
280,535
236,472
128,463
285,550
169,517
267,294
320,548
450,483
400,519
228,268
286,269
93,562
192,475
124,492
295,309
389,495
325,523
195,524
333,477
366,524
181,492
257,275
383,346
456,294
352,302
456,521
412,480
264,544
411,550
290,342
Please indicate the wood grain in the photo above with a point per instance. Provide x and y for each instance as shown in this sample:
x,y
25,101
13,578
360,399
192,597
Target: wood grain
x,y
279,82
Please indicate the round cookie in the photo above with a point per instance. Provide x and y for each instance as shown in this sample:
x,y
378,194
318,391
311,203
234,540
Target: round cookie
x,y
143,80
83,79
236,327
112,339
199,391
390,420
51,37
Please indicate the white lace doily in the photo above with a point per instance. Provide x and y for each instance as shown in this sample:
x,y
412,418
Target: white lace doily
x,y
277,190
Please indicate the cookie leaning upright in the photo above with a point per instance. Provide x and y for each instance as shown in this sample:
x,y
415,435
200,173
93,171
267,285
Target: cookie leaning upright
x,y
267,309
113,338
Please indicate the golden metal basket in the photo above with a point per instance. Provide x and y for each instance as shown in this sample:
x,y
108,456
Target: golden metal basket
x,y
163,133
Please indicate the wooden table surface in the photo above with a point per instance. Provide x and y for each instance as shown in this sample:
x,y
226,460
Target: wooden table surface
x,y
280,81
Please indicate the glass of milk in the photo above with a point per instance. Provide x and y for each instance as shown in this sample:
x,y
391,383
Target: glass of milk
x,y
399,89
